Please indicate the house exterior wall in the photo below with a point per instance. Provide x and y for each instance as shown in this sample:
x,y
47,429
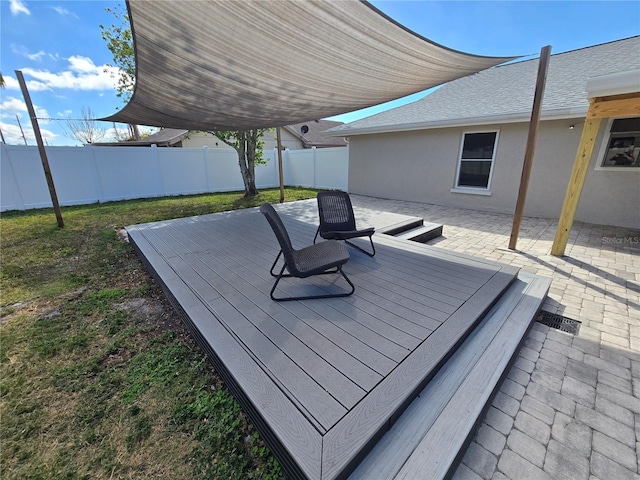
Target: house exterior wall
x,y
421,166
203,139
287,139
610,196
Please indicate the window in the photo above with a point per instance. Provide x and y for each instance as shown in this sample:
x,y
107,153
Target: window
x,y
476,160
623,147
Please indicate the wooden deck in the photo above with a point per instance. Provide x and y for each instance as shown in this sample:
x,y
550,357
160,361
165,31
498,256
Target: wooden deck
x,y
322,380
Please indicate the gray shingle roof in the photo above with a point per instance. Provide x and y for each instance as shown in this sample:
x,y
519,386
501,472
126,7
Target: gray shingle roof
x,y
506,92
316,136
163,138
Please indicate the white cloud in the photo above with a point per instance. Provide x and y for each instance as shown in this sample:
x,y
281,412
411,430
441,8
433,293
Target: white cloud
x,y
23,51
18,6
82,65
117,132
146,130
11,106
13,134
36,56
63,11
10,83
82,74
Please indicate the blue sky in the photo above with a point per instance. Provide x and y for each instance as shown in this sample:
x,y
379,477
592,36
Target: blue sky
x,y
58,47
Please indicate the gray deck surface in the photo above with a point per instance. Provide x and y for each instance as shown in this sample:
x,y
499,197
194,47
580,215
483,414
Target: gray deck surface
x,y
321,379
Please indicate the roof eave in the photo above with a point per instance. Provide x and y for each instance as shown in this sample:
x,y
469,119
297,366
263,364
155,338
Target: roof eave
x,y
519,117
618,83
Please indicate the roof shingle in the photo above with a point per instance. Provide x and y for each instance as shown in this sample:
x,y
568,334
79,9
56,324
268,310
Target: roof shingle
x,y
507,91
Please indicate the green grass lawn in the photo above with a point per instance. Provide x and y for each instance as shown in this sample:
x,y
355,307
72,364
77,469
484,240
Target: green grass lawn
x,y
98,377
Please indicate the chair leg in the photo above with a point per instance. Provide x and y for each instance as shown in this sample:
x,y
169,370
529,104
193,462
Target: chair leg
x,y
282,274
274,266
373,249
310,297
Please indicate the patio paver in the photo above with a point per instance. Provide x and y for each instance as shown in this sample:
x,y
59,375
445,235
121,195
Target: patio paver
x,y
572,411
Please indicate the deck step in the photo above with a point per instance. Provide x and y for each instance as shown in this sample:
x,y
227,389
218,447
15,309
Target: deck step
x,y
429,439
423,233
403,226
413,228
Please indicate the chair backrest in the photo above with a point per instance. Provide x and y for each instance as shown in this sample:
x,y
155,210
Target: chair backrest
x,y
335,211
281,234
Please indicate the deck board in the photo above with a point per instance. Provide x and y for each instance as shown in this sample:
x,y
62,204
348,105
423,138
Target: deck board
x,y
294,440
449,430
322,379
418,445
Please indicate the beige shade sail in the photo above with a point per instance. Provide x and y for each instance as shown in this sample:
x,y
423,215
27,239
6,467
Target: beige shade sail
x,y
235,65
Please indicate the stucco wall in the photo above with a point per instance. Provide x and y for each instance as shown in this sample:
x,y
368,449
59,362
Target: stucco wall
x,y
287,140
421,166
204,139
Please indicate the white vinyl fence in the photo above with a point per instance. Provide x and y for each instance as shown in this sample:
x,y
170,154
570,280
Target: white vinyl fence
x,y
84,175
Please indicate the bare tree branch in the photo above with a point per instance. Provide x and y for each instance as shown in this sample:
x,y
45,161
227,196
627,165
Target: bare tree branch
x,y
85,130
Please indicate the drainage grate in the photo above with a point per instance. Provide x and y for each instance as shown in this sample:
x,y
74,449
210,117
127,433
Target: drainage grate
x,y
559,322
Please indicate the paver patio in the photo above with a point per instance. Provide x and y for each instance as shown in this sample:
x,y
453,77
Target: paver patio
x,y
570,406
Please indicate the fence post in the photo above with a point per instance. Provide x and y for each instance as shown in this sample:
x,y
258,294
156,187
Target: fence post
x,y
314,159
95,176
6,155
286,158
205,151
156,157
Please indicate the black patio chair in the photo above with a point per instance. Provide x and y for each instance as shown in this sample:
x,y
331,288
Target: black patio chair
x,y
337,221
312,260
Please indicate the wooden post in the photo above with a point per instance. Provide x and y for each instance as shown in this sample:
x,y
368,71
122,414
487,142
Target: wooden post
x,y
576,182
531,144
623,105
281,175
41,149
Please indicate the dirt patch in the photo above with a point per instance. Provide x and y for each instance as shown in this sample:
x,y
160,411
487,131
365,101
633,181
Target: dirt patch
x,y
122,234
155,311
141,307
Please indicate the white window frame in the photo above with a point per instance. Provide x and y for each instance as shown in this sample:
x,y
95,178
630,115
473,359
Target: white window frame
x,y
604,147
469,189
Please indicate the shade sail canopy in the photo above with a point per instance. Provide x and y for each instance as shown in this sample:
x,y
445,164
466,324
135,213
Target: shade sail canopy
x,y
234,65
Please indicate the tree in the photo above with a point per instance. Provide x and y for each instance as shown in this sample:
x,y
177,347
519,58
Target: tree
x,y
247,143
120,42
85,129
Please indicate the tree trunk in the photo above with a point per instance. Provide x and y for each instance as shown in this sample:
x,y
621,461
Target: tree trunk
x,y
252,140
246,157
